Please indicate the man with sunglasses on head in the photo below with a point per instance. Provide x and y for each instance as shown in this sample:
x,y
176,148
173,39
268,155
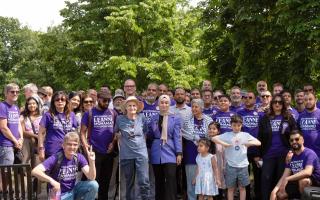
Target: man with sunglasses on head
x,y
309,123
262,86
265,97
251,116
302,171
97,129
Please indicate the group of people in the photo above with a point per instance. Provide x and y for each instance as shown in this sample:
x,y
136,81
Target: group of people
x,y
170,144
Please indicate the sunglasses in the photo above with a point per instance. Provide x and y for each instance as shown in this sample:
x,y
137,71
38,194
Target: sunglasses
x,y
60,99
249,97
308,90
294,139
277,102
261,85
87,102
105,100
216,97
14,91
265,96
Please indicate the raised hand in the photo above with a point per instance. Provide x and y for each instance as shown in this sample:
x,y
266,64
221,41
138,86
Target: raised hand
x,y
91,154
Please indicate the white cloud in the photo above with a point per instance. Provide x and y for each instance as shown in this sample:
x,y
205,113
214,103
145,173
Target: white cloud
x,y
37,14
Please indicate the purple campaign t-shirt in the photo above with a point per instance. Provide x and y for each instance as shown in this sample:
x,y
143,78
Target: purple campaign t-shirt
x,y
277,148
210,111
11,113
150,110
68,170
305,158
236,109
190,150
102,128
309,124
250,124
57,127
224,119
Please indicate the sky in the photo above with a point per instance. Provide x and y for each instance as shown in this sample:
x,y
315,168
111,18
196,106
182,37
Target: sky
x,y
37,14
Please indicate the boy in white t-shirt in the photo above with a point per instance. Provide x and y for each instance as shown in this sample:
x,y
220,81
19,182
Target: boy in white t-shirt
x,y
236,144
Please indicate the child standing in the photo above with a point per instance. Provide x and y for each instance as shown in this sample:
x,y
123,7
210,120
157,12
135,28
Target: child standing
x,y
218,150
207,176
236,144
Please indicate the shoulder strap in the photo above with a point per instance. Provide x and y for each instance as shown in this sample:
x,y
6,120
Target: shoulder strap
x,y
89,124
56,168
32,125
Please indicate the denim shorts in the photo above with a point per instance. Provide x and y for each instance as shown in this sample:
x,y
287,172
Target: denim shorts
x,y
234,174
6,155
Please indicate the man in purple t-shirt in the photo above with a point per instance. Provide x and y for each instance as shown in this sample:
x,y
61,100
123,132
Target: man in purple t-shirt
x,y
10,128
301,171
309,123
60,170
100,136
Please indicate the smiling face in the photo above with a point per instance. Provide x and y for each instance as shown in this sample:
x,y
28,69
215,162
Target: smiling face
x,y
12,94
310,101
32,105
296,141
70,147
164,105
224,104
131,107
87,104
75,102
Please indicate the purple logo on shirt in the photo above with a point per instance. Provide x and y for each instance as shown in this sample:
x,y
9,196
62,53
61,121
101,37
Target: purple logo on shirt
x,y
103,121
275,125
224,122
308,123
250,121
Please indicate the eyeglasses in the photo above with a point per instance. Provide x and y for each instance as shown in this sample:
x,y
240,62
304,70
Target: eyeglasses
x,y
294,139
131,86
265,96
277,102
247,97
262,85
87,102
14,91
60,99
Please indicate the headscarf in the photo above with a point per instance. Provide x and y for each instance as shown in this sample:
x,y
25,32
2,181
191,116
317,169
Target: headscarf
x,y
165,114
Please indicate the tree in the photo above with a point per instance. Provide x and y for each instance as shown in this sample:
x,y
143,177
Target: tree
x,y
248,41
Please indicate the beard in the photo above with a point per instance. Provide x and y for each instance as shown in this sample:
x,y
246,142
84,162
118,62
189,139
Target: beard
x,y
180,101
296,147
311,108
103,106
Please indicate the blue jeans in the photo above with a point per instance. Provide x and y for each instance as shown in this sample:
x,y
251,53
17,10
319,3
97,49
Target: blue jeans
x,y
138,166
86,190
6,155
191,189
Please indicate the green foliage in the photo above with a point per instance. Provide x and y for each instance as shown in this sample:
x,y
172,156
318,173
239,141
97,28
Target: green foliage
x,y
273,40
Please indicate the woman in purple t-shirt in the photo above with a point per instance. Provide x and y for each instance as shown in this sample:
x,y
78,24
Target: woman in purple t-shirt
x,y
30,120
54,125
274,129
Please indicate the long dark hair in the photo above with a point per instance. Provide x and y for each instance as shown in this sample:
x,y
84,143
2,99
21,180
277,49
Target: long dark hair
x,y
26,111
53,111
284,111
73,94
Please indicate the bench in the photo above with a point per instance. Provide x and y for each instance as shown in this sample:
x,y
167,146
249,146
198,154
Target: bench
x,y
311,193
14,183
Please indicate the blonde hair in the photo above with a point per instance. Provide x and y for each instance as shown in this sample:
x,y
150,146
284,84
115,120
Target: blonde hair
x,y
71,136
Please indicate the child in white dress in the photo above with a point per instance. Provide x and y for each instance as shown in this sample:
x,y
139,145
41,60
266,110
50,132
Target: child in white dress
x,y
207,177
